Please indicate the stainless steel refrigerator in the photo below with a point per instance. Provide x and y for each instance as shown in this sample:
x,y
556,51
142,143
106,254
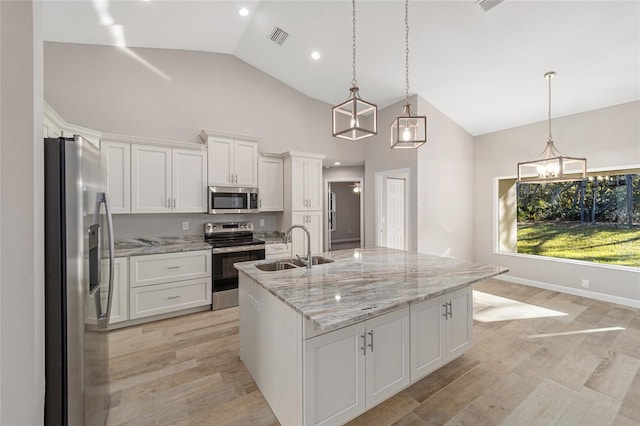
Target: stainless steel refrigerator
x,y
78,273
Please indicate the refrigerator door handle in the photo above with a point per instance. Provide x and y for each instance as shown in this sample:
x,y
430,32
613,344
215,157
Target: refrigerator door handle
x,y
103,317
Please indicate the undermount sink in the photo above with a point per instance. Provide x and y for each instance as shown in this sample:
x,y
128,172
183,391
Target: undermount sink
x,y
276,266
293,263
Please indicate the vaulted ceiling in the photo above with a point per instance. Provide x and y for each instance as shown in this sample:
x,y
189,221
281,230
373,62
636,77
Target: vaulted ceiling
x,y
483,69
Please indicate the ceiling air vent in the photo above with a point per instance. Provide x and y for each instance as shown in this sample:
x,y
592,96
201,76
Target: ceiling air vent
x,y
488,4
278,35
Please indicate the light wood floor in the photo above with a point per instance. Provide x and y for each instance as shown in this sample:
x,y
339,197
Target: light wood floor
x,y
539,357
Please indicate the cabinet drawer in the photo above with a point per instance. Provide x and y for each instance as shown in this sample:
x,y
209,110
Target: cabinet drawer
x,y
170,267
162,298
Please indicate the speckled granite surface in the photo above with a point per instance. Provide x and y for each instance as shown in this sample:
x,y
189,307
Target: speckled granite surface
x,y
269,237
365,283
157,245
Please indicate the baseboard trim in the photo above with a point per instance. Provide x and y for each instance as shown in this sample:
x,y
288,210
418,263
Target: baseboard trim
x,y
345,240
569,290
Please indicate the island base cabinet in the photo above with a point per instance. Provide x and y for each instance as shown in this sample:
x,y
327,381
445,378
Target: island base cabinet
x,y
441,330
334,376
350,370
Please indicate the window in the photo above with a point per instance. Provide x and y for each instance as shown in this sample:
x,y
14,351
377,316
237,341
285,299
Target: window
x,y
594,220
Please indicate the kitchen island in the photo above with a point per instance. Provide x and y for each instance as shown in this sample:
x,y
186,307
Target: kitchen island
x,y
326,344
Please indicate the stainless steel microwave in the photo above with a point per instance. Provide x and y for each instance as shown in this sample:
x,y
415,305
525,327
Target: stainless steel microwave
x,y
223,199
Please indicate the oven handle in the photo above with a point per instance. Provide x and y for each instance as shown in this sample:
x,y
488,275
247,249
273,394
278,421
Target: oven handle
x,y
219,250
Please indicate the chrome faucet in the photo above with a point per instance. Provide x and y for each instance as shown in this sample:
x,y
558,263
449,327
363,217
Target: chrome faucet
x,y
286,239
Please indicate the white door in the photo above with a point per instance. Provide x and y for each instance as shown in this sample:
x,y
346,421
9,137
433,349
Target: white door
x,y
245,164
118,155
313,222
220,153
270,184
427,340
395,218
334,376
189,181
298,196
150,179
387,357
313,184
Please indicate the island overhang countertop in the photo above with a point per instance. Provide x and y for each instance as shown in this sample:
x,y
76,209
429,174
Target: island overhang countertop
x,y
364,283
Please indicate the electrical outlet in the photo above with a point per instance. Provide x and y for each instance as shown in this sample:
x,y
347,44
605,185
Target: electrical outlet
x,y
261,222
185,225
585,283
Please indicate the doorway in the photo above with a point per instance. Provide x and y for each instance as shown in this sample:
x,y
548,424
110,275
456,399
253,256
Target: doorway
x,y
343,218
392,210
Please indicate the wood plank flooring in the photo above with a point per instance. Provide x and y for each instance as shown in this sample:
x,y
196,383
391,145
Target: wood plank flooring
x,y
539,358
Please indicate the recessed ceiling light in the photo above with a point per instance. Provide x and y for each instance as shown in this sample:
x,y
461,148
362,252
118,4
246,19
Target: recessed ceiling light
x,y
243,11
337,163
315,55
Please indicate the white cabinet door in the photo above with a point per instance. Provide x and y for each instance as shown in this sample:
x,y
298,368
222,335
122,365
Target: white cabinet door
x,y
459,324
334,376
313,222
220,164
118,156
245,164
120,299
427,352
189,181
387,356
270,184
313,184
150,179
298,196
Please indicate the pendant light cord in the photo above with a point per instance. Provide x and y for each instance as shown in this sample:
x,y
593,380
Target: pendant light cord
x,y
549,76
406,24
354,82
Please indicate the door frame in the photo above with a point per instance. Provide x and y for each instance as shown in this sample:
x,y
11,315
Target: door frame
x,y
380,194
325,220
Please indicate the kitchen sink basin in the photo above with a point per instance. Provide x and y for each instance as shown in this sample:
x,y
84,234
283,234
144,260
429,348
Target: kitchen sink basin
x,y
293,263
276,266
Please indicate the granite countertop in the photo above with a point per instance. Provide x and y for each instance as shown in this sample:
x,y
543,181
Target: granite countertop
x,y
158,245
365,283
270,237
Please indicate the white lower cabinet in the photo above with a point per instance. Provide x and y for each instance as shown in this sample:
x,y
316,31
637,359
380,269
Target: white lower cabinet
x,y
441,330
163,283
120,299
313,222
350,370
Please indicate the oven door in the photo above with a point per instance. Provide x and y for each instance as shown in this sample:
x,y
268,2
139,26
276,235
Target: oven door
x,y
225,276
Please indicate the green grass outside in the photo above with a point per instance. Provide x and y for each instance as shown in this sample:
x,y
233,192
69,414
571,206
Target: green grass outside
x,y
591,243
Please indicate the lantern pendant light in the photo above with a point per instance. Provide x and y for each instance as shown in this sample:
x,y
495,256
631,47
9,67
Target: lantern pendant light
x,y
552,165
355,118
408,130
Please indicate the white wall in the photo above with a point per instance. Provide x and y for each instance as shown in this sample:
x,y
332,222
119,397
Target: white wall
x,y
21,215
609,138
106,89
445,187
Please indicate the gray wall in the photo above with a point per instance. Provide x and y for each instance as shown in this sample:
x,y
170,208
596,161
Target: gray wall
x,y
108,90
21,215
609,138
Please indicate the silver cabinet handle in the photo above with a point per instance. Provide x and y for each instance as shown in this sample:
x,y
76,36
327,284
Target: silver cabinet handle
x,y
173,297
450,310
168,203
446,311
371,344
174,203
173,267
260,203
364,344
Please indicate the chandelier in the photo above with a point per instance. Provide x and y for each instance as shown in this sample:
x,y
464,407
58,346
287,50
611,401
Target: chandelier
x,y
355,118
552,165
408,130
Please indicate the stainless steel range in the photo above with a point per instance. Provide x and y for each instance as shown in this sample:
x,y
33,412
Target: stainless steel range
x,y
230,242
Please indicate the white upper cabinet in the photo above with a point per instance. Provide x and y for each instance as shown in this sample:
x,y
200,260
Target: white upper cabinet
x,y
165,180
118,157
233,161
270,184
189,180
306,183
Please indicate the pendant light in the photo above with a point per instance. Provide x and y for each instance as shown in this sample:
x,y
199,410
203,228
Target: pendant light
x,y
552,165
355,118
408,130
